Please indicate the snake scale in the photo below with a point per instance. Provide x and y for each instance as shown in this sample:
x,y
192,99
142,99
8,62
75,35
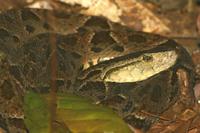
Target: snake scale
x,y
93,57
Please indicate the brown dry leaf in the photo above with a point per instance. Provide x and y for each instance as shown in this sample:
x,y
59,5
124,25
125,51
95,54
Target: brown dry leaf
x,y
8,4
186,96
105,8
195,124
41,4
197,92
129,12
135,11
171,127
194,131
183,127
2,131
163,128
187,115
144,16
187,122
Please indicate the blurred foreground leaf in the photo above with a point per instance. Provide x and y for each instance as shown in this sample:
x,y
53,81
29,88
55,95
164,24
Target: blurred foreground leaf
x,y
36,113
75,113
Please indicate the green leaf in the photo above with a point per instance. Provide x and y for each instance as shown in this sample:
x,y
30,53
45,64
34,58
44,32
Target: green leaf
x,y
82,115
73,114
36,113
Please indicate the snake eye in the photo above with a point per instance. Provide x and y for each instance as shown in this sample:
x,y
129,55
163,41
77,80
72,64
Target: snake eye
x,y
147,58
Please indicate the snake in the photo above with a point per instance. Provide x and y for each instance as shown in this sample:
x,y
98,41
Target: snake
x,y
90,56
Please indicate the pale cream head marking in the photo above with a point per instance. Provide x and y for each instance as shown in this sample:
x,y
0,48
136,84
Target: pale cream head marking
x,y
142,69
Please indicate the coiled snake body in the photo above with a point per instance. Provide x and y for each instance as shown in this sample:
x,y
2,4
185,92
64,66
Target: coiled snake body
x,y
94,58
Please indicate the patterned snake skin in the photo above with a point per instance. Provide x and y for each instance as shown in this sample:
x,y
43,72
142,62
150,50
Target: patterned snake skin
x,y
82,43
